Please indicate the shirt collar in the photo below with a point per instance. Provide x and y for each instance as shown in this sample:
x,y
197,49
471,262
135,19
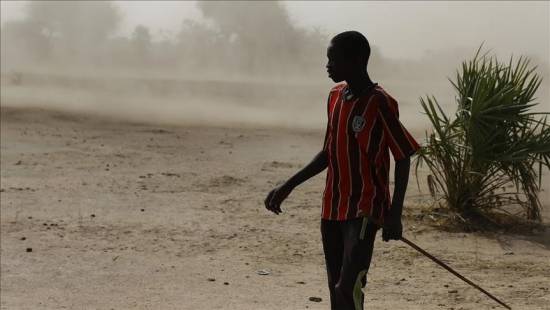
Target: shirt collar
x,y
348,95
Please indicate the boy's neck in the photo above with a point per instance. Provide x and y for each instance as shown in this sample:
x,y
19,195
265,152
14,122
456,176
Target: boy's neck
x,y
360,82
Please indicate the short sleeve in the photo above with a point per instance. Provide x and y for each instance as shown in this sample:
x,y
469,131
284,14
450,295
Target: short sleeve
x,y
400,141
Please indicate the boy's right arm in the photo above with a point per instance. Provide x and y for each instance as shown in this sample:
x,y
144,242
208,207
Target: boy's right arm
x,y
278,194
319,163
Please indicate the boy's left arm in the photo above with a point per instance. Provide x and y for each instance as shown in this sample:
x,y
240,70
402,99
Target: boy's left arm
x,y
393,227
402,146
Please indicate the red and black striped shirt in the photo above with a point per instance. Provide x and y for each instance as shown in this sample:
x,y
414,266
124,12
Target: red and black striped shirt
x,y
359,136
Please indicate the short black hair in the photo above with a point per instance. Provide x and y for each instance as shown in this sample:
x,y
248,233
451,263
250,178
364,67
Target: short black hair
x,y
353,43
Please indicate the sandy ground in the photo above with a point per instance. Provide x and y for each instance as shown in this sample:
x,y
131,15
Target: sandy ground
x,y
124,215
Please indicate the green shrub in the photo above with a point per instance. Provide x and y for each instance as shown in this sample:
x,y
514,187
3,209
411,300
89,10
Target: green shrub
x,y
490,155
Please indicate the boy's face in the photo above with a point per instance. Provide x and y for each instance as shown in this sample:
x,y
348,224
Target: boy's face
x,y
339,66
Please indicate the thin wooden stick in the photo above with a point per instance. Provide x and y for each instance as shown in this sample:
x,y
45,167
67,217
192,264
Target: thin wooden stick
x,y
449,269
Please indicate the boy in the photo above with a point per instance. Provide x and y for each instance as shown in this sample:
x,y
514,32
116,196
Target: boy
x,y
362,125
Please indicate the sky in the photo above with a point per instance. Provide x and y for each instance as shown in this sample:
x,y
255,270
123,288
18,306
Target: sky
x,y
401,29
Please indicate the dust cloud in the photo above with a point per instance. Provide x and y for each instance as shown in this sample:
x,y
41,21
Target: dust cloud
x,y
245,64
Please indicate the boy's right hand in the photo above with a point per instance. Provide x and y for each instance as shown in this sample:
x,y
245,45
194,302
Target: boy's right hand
x,y
276,197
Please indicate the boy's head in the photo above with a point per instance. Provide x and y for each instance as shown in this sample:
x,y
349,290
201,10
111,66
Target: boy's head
x,y
348,54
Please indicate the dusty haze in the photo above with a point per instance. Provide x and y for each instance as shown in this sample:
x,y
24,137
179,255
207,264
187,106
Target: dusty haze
x,y
245,64
139,139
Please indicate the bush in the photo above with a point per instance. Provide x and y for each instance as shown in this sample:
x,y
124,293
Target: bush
x,y
490,156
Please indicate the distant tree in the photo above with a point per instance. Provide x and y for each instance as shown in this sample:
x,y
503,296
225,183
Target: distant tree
x,y
79,28
263,35
23,43
202,46
141,41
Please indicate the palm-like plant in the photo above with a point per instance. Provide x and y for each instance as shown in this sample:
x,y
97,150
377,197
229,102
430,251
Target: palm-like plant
x,y
491,154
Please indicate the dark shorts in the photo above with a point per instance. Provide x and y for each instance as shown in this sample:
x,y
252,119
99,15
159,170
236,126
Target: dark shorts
x,y
348,247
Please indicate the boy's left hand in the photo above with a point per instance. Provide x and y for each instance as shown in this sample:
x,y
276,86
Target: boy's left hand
x,y
393,229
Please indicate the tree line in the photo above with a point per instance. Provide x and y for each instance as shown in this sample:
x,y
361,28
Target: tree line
x,y
235,38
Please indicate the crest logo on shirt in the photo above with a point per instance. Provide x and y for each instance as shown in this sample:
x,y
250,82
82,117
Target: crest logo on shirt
x,y
358,123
